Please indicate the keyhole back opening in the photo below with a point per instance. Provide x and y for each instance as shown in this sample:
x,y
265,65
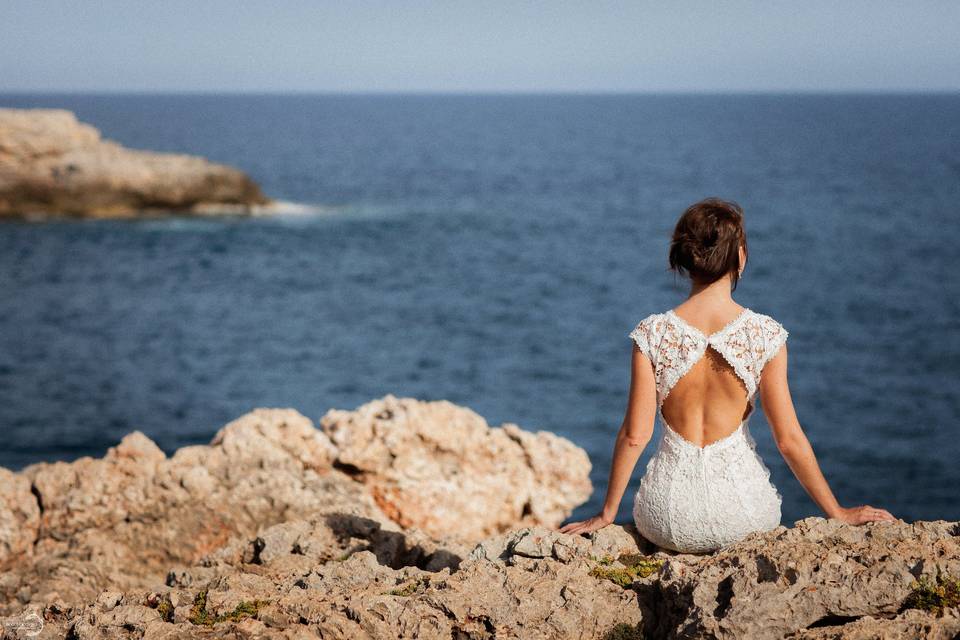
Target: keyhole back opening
x,y
708,402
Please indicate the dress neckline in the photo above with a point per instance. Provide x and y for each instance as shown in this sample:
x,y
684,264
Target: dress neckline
x,y
718,332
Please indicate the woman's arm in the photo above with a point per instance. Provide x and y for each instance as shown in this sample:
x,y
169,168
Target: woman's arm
x,y
635,432
795,447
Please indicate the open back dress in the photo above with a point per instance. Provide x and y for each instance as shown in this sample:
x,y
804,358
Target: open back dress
x,y
697,499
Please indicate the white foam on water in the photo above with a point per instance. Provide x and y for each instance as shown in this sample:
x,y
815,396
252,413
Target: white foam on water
x,y
287,207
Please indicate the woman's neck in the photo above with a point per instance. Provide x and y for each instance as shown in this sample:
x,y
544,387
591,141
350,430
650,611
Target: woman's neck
x,y
714,294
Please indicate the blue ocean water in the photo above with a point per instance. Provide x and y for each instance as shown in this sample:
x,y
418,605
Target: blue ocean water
x,y
495,251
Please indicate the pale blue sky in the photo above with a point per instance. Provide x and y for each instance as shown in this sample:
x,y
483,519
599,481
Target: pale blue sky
x,y
359,45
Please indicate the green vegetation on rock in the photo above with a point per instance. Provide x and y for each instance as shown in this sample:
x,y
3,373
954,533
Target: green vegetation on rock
x,y
163,605
410,588
165,609
200,616
635,566
624,631
934,595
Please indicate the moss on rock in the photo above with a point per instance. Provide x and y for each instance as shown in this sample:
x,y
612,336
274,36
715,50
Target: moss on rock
x,y
934,595
634,566
624,631
410,588
244,609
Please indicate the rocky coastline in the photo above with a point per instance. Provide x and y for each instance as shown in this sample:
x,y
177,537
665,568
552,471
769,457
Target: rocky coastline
x,y
415,519
52,165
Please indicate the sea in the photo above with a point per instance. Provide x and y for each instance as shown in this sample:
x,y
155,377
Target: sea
x,y
495,251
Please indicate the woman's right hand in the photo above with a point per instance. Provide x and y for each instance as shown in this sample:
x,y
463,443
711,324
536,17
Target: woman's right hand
x,y
863,514
598,521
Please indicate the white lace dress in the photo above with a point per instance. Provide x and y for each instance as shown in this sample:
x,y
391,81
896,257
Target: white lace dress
x,y
695,499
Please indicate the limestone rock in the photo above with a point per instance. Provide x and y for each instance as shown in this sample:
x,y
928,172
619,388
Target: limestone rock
x,y
19,517
442,468
819,573
274,531
361,596
123,520
52,164
268,484
911,624
521,585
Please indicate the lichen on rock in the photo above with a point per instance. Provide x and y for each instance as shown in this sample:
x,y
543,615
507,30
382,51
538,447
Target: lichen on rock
x,y
632,567
934,594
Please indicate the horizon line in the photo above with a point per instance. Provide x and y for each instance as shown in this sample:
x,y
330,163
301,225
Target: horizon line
x,y
482,92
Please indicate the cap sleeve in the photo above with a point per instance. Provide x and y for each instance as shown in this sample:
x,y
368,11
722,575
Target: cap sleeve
x,y
641,336
774,336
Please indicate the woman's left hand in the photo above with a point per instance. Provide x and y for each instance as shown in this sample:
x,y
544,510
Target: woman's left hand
x,y
586,526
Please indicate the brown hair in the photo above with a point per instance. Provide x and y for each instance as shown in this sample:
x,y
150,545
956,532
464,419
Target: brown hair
x,y
706,241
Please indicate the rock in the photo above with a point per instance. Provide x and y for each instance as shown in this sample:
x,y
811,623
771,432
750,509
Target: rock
x,y
52,164
441,468
124,520
819,573
274,531
108,600
526,591
19,518
912,624
269,485
359,596
136,446
265,438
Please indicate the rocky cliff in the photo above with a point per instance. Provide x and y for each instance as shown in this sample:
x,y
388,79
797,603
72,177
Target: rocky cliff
x,y
418,520
51,164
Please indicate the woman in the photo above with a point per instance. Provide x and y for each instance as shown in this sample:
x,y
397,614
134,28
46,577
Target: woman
x,y
699,368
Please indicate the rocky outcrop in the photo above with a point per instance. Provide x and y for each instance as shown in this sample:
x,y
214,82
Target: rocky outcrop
x,y
68,530
278,529
52,164
19,517
812,580
348,578
441,468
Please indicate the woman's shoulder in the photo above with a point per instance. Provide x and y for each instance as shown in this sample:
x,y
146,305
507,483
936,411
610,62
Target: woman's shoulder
x,y
764,319
650,321
645,333
770,330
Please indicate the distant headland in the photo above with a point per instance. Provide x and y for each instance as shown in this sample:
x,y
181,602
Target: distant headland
x,y
52,165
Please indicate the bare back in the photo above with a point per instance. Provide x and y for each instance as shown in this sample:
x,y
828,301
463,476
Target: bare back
x,y
709,401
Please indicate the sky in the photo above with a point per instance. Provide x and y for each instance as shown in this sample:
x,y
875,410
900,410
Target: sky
x,y
479,46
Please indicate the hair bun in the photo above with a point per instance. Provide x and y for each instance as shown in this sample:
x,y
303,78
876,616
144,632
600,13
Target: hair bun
x,y
706,241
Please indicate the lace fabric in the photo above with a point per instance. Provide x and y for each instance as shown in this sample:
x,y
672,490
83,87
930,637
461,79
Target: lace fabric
x,y
698,499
